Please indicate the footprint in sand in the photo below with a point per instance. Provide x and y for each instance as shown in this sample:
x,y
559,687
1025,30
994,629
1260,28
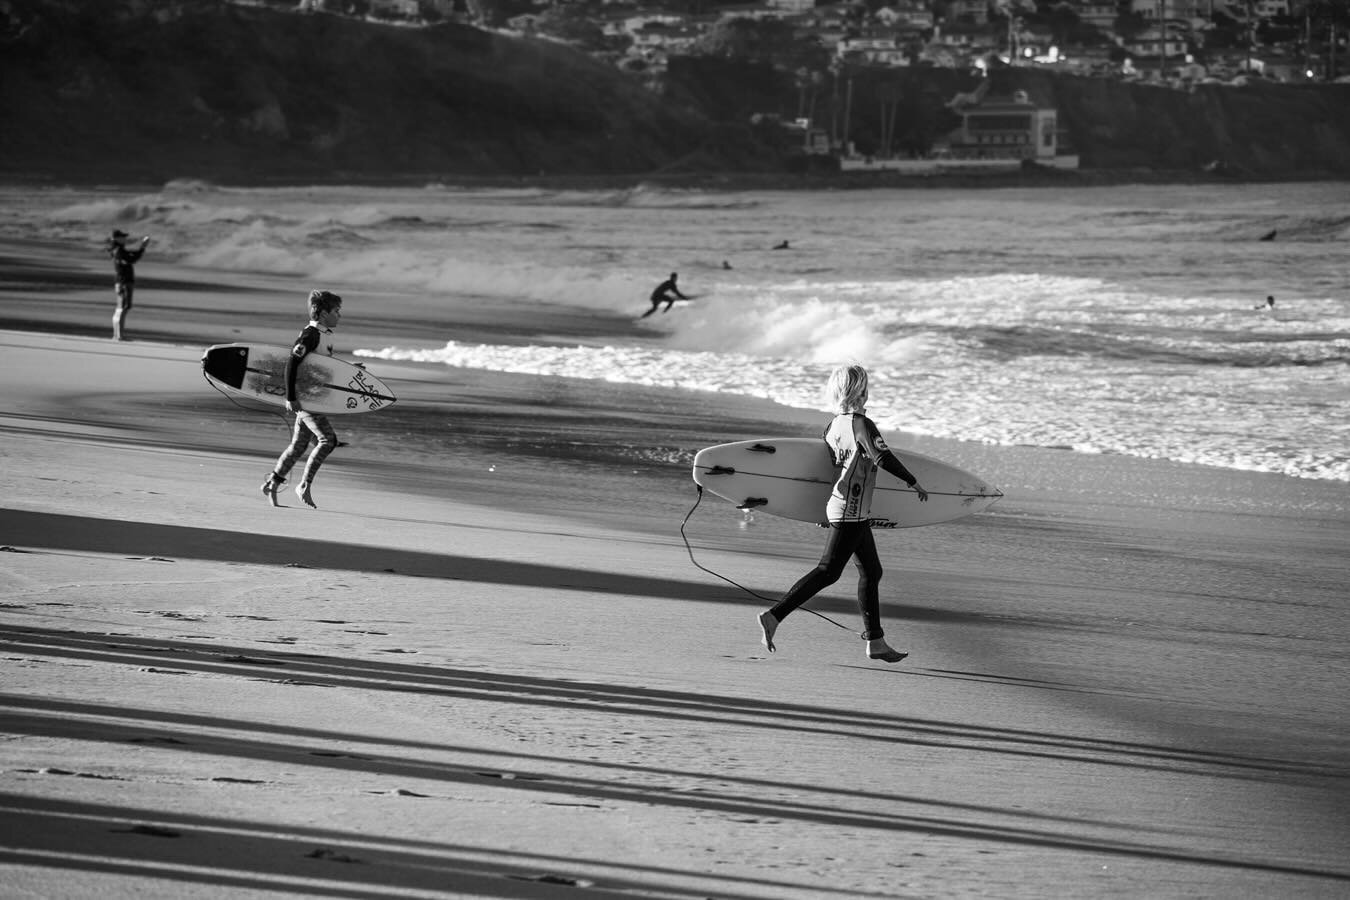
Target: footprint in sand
x,y
53,770
148,831
555,879
169,614
331,856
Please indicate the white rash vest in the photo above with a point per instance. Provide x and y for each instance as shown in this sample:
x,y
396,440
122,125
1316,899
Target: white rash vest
x,y
858,449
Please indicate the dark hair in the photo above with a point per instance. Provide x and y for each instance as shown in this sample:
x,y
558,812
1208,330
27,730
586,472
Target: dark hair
x,y
321,302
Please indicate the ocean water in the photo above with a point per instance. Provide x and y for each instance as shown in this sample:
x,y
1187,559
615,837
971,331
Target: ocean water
x,y
1103,320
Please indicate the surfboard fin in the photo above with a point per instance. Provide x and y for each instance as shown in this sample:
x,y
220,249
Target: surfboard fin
x,y
764,448
721,470
752,502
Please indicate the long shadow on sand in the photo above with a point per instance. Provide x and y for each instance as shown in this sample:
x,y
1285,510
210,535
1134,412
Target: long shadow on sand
x,y
302,860
605,785
56,531
308,670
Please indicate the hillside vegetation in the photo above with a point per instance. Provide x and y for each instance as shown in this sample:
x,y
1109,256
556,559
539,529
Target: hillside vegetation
x,y
241,94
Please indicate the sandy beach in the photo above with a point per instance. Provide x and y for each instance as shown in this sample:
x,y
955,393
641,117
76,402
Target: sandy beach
x,y
487,666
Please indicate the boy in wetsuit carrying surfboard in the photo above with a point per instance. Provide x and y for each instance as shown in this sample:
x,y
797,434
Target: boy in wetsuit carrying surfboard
x,y
325,311
858,450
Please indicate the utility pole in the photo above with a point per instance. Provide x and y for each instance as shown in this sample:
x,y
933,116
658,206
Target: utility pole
x,y
1162,41
1331,53
834,103
1307,40
848,110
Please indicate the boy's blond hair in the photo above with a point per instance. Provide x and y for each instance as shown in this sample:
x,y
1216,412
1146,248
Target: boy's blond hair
x,y
846,391
321,302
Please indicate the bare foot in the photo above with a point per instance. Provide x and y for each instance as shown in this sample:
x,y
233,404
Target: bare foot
x,y
769,624
302,491
269,490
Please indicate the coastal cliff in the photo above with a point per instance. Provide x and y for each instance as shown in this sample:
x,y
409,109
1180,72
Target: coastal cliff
x,y
240,94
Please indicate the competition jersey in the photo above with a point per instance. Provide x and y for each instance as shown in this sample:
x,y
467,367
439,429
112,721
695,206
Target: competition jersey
x,y
858,449
314,338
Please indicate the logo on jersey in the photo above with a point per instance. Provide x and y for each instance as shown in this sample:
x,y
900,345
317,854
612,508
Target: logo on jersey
x,y
854,503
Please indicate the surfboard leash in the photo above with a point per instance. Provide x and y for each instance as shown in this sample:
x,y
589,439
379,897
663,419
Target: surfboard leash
x,y
690,550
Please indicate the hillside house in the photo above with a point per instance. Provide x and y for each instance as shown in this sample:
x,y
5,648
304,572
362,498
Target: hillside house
x,y
971,12
756,11
668,38
1261,9
905,13
1174,10
874,46
1007,128
1156,42
402,9
1100,14
966,39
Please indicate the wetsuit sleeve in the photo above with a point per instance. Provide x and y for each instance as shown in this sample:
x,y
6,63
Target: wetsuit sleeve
x,y
304,345
135,255
872,444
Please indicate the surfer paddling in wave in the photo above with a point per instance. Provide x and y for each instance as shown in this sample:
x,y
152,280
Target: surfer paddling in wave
x,y
665,292
857,449
325,310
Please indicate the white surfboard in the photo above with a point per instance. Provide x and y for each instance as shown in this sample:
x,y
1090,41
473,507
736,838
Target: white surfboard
x,y
324,384
792,477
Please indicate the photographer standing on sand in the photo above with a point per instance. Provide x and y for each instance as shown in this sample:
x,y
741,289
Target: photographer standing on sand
x,y
124,275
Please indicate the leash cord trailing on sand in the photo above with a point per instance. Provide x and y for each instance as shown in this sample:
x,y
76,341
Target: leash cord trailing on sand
x,y
697,565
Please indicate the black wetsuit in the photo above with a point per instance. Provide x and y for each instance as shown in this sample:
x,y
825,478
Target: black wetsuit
x,y
663,293
858,450
308,425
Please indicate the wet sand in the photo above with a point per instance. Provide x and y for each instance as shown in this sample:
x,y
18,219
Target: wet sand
x,y
486,666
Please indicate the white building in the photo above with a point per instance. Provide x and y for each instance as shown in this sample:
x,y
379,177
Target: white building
x,y
1155,42
1101,14
1237,9
1153,10
879,47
